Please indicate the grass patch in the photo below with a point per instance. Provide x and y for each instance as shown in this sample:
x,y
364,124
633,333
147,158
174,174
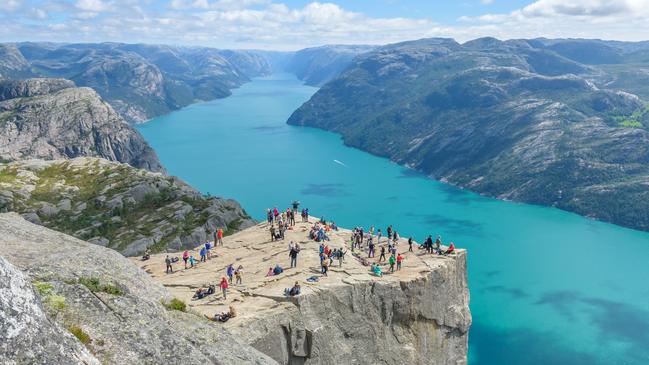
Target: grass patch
x,y
95,286
42,288
79,333
55,302
176,305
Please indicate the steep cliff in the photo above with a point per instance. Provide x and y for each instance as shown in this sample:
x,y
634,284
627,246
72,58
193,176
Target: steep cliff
x,y
315,66
115,205
114,309
515,120
50,119
416,315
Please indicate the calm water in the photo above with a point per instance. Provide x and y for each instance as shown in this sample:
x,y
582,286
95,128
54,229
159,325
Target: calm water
x,y
547,287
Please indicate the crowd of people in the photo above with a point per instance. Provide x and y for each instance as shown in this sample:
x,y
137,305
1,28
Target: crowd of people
x,y
364,245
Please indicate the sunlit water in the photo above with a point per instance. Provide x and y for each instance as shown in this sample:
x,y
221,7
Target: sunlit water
x,y
547,287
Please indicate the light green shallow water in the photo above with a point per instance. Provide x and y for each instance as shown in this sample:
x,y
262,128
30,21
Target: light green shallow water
x,y
547,287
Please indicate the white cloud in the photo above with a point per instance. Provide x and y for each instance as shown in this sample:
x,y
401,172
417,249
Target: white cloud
x,y
38,13
92,5
10,5
276,25
486,2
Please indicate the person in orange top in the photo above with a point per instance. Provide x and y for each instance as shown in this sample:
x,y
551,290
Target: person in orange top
x,y
219,236
224,287
399,260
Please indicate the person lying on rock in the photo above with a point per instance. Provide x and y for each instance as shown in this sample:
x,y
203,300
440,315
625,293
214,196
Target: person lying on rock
x,y
203,292
224,316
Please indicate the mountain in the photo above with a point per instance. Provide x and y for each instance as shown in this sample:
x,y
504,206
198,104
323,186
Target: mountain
x,y
523,120
12,63
116,205
315,66
53,119
66,301
140,81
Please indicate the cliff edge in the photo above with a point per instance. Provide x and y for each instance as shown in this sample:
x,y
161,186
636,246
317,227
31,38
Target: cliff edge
x,y
417,315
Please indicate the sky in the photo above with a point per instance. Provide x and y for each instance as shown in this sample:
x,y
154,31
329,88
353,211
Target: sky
x,y
295,24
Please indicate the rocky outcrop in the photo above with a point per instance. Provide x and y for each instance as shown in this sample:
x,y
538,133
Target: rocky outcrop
x,y
424,320
110,305
116,205
27,335
51,119
416,315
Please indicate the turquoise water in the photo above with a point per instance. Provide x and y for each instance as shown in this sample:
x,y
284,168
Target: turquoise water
x,y
547,287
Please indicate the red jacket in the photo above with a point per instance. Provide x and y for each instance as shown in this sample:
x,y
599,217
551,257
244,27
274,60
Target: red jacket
x,y
224,284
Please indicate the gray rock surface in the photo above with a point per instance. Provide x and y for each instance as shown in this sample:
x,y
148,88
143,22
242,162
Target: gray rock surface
x,y
50,119
424,320
131,327
116,205
27,335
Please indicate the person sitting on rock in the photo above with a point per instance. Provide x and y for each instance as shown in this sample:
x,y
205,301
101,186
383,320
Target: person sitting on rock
x,y
450,249
376,269
147,254
295,290
278,270
270,272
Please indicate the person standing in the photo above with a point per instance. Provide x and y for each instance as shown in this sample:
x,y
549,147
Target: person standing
x,y
392,261
185,257
410,244
230,272
378,236
169,269
203,254
224,287
219,236
293,254
296,205
370,244
399,260
238,274
382,257
272,232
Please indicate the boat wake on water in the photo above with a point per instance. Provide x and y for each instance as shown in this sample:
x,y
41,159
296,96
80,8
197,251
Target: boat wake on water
x,y
340,163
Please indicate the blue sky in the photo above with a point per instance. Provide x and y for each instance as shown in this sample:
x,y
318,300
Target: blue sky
x,y
293,24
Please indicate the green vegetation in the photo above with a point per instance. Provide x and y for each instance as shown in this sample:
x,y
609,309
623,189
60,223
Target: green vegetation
x,y
105,201
175,304
95,286
636,120
54,303
80,334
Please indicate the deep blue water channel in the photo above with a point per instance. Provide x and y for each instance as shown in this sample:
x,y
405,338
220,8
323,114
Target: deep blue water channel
x,y
547,286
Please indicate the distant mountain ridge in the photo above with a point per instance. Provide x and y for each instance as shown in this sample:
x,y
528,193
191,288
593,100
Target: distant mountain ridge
x,y
526,120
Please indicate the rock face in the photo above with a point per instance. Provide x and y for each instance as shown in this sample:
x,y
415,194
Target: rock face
x,y
27,336
143,81
52,119
12,63
115,205
114,308
416,315
315,66
522,120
